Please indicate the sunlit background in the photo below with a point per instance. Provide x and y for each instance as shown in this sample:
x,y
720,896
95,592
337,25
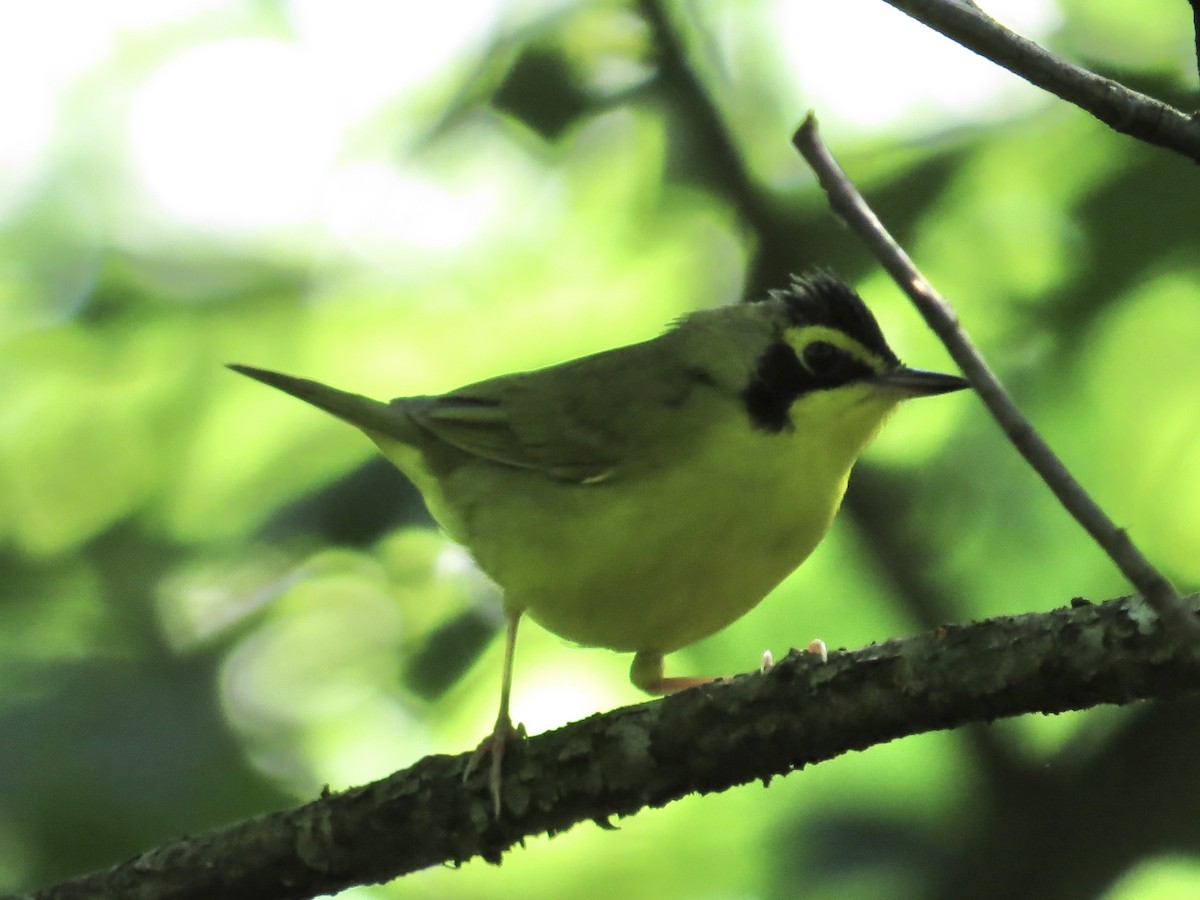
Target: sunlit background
x,y
216,600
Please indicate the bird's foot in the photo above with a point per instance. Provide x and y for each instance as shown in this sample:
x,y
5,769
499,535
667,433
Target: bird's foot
x,y
817,646
647,673
494,745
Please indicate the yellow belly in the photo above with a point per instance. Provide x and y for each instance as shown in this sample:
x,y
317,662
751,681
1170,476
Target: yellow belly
x,y
659,555
656,562
672,571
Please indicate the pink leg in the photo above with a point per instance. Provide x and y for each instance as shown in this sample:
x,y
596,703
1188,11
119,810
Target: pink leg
x,y
646,673
504,732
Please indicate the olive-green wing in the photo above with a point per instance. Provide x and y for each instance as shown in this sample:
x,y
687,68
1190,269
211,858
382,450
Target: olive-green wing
x,y
515,425
585,421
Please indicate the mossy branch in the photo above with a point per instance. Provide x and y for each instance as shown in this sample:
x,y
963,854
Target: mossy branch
x,y
753,728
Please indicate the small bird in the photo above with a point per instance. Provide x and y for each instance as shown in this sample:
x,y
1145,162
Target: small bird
x,y
645,497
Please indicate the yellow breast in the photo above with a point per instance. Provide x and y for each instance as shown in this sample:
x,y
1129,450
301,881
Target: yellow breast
x,y
659,559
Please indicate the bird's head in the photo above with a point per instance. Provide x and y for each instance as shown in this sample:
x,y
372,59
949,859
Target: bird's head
x,y
826,363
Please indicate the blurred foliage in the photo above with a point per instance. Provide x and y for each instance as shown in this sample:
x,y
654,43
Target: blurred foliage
x,y
215,601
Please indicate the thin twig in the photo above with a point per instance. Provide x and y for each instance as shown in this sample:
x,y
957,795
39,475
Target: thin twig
x,y
1122,109
1196,30
846,201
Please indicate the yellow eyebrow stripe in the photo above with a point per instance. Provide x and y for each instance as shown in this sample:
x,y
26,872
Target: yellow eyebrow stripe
x,y
801,336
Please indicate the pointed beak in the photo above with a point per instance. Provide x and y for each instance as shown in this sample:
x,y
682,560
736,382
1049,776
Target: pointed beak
x,y
920,383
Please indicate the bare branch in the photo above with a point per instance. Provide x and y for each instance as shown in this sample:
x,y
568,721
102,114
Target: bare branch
x,y
1122,109
848,203
709,739
1196,30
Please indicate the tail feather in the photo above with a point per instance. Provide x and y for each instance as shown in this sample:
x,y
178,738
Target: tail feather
x,y
362,412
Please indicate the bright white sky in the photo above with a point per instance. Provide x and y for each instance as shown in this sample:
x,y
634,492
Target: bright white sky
x,y
244,134
874,65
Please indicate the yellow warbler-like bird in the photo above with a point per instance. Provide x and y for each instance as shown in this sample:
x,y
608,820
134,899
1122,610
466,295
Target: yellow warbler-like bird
x,y
645,497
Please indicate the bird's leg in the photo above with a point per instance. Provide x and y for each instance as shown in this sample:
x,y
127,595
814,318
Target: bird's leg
x,y
504,732
647,673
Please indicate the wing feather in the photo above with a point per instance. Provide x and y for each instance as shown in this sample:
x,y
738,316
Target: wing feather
x,y
585,421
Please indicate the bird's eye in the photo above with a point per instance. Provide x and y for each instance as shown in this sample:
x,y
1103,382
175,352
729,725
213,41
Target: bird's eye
x,y
823,360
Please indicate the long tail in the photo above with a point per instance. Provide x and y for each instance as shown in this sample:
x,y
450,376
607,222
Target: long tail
x,y
362,412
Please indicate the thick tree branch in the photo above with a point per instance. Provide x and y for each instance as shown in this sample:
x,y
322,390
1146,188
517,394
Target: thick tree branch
x,y
848,203
1122,109
708,739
